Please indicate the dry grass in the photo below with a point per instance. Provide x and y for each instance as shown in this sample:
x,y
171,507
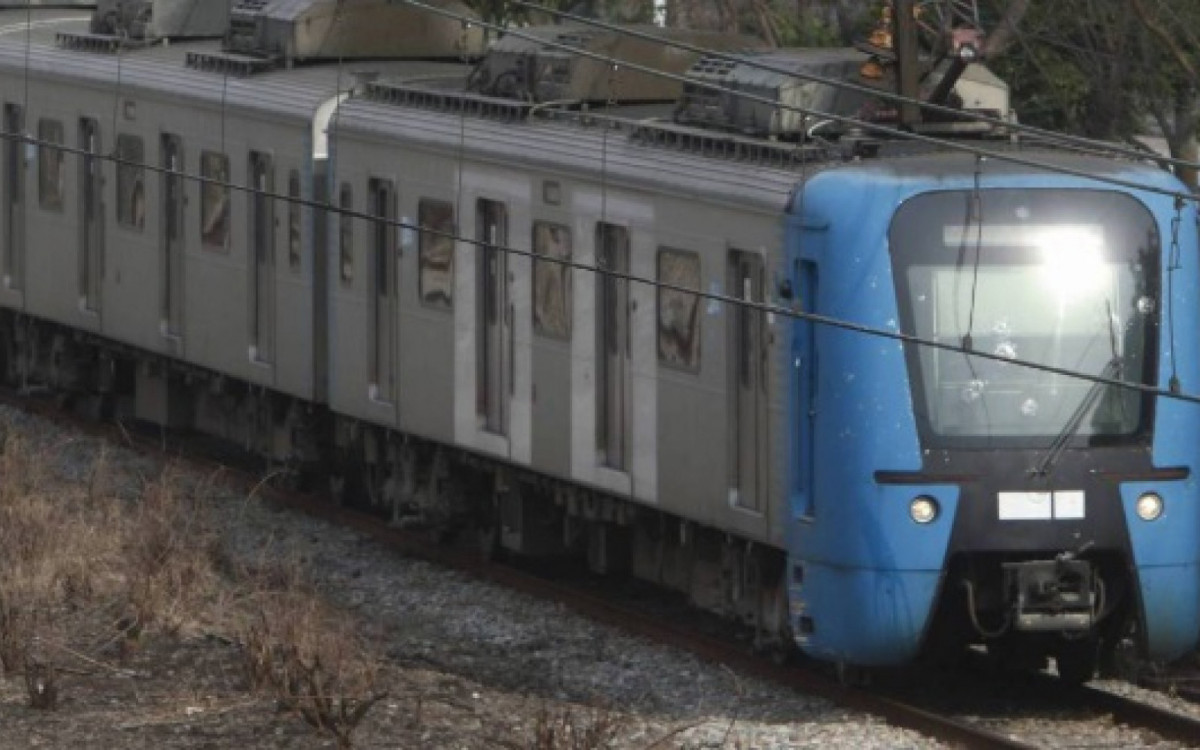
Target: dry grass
x,y
52,547
171,571
587,728
91,565
312,662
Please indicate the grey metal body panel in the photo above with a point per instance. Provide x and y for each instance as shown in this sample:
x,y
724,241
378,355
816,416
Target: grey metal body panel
x,y
679,421
551,399
147,92
679,456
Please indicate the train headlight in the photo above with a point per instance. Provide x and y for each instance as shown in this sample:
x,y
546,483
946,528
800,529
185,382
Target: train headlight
x,y
1149,507
923,509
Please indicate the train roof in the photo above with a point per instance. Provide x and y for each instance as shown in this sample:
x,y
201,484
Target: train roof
x,y
927,163
162,69
575,144
624,148
411,99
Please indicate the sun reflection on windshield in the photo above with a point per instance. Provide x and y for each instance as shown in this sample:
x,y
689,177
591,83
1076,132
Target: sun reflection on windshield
x,y
1073,265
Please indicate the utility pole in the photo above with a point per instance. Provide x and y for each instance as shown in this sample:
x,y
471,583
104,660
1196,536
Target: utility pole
x,y
908,75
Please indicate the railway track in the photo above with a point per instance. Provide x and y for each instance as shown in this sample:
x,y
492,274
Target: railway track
x,y
894,701
890,705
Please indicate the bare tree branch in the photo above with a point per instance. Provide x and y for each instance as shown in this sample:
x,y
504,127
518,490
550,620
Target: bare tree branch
x,y
1157,29
1002,37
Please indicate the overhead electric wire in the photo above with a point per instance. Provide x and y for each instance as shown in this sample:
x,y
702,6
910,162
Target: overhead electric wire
x,y
781,310
1084,145
856,122
895,132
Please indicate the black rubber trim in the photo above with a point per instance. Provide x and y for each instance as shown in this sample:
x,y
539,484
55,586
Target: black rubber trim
x,y
922,477
1165,474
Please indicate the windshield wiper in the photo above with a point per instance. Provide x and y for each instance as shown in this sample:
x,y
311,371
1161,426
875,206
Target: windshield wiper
x,y
1112,370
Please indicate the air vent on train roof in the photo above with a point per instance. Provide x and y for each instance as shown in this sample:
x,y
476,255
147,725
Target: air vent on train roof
x,y
571,63
295,30
160,19
715,95
771,95
118,24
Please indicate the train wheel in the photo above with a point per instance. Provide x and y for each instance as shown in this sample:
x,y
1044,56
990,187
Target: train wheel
x,y
1077,660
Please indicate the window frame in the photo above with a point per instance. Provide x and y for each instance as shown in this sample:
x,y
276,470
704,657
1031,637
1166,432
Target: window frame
x,y
694,363
562,267
295,242
131,167
218,188
51,195
425,245
346,233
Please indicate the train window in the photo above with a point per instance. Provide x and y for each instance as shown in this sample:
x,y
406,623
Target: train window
x,y
346,233
679,311
552,280
435,253
214,201
51,168
294,220
13,212
131,182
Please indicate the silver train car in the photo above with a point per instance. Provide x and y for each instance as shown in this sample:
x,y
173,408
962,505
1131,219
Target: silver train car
x,y
148,270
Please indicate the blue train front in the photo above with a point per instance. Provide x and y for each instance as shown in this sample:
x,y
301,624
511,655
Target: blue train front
x,y
939,498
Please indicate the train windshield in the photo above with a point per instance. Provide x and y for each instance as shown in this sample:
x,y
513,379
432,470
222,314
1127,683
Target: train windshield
x,y
1067,280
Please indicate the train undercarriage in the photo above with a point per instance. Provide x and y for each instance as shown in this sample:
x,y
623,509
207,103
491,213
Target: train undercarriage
x,y
1077,608
406,481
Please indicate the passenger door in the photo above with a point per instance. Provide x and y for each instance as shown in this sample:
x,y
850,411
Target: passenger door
x,y
91,215
494,318
613,343
261,257
173,238
14,197
383,289
748,375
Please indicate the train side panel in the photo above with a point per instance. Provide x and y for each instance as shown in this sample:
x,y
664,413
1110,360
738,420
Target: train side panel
x,y
95,235
674,424
864,577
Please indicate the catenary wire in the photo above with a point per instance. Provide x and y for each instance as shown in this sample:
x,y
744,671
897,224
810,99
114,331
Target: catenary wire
x,y
895,132
1084,145
781,310
876,127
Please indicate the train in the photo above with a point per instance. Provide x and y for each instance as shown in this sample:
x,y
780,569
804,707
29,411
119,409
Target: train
x,y
879,399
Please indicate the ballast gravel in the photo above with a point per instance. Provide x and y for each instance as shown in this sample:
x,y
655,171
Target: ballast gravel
x,y
465,664
506,646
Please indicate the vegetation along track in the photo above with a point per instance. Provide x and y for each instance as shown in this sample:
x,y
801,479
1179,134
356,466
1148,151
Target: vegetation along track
x,y
926,702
